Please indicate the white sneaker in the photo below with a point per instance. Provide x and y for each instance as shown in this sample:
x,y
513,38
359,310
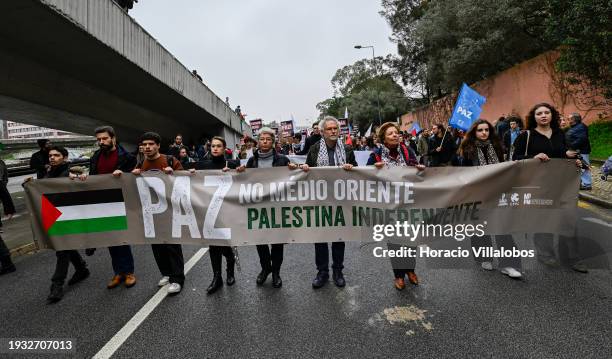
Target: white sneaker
x,y
487,265
511,272
162,282
174,288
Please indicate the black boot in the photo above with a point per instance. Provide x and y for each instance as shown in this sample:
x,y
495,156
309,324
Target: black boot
x,y
217,282
230,280
56,294
320,279
7,265
262,276
338,278
78,276
277,282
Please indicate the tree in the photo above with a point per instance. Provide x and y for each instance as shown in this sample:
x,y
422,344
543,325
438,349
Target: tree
x,y
360,87
583,29
442,43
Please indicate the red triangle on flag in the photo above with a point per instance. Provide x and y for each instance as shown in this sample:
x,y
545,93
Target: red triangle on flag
x,y
49,213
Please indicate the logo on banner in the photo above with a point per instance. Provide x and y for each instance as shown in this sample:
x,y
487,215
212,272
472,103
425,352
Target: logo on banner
x,y
514,199
502,201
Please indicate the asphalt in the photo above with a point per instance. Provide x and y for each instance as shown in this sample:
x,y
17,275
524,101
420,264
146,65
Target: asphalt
x,y
459,313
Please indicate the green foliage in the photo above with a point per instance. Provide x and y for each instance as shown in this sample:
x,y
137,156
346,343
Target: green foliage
x,y
442,43
361,87
600,135
583,29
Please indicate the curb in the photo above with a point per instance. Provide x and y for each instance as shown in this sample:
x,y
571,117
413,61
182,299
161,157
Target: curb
x,y
24,249
595,200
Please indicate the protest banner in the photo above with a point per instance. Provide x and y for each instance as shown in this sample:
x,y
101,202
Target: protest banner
x,y
286,129
256,125
277,205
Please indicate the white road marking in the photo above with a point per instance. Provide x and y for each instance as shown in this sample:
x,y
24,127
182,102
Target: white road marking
x,y
598,221
124,333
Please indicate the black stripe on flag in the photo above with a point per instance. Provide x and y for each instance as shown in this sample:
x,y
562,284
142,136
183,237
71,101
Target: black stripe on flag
x,y
85,197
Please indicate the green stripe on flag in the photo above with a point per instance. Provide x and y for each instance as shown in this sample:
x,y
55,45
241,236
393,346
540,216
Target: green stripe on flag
x,y
90,225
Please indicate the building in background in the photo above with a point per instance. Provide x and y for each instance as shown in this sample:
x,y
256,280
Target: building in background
x,y
16,130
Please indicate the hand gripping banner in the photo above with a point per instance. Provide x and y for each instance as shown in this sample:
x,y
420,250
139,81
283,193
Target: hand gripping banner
x,y
325,204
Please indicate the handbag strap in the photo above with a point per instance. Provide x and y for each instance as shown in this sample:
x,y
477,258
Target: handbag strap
x,y
527,145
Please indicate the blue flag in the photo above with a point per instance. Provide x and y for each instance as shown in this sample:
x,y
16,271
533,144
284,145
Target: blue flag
x,y
415,128
467,109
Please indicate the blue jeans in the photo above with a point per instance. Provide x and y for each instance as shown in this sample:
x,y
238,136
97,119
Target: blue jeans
x,y
585,177
122,259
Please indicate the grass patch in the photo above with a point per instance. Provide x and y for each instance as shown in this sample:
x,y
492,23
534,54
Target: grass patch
x,y
600,135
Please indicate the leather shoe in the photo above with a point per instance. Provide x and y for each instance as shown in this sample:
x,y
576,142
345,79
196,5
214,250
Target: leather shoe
x,y
79,276
130,280
320,279
262,276
217,282
399,283
114,283
338,278
412,277
277,282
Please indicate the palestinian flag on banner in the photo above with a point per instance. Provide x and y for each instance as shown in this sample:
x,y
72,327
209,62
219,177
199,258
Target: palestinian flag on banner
x,y
83,212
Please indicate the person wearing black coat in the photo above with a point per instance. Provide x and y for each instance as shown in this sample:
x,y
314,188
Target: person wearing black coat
x,y
481,147
6,264
315,137
218,161
329,152
59,168
40,160
441,149
544,140
270,257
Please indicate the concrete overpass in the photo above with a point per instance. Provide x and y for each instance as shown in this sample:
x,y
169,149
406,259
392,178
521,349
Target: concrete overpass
x,y
75,65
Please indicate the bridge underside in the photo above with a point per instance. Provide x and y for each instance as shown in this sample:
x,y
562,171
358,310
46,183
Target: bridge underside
x,y
53,73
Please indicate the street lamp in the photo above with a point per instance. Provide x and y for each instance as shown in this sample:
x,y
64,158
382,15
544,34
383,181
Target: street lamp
x,y
358,47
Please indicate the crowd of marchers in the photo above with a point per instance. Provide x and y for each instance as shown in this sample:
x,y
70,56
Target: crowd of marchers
x,y
542,135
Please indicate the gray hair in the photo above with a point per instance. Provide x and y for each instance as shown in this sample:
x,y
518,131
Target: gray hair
x,y
269,131
328,119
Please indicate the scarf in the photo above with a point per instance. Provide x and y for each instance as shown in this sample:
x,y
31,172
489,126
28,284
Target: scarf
x,y
265,155
323,158
389,161
486,153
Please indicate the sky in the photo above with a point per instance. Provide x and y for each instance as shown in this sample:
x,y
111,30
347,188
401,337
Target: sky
x,y
274,58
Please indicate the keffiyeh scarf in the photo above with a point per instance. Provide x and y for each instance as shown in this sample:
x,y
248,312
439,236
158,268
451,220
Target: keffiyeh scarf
x,y
385,156
323,158
486,153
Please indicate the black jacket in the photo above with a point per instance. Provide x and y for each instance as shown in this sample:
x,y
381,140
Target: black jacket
x,y
62,170
125,161
38,161
577,138
554,147
471,159
216,163
447,152
313,153
310,141
278,160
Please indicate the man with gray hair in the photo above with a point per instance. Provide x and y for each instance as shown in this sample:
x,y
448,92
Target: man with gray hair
x,y
329,151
